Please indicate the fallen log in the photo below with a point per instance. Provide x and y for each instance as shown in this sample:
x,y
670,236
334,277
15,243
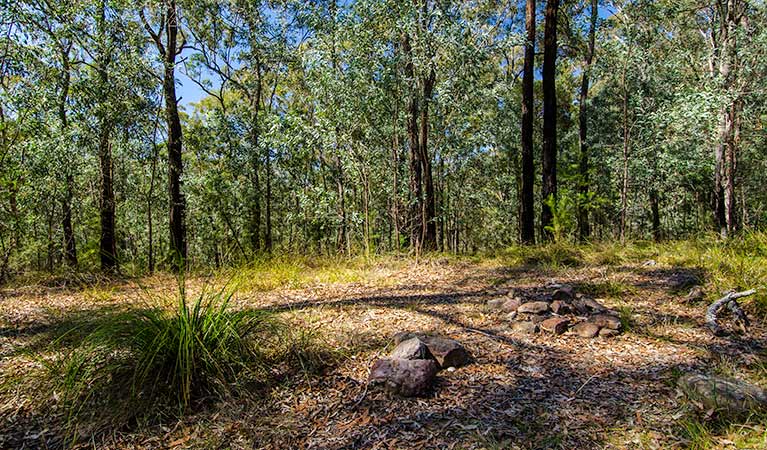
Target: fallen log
x,y
729,301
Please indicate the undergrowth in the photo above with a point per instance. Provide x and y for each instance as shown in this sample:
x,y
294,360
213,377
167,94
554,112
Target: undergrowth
x,y
158,360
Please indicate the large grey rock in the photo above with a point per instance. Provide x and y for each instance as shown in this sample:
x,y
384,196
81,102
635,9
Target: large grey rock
x,y
555,325
606,321
533,308
585,329
405,377
412,348
723,394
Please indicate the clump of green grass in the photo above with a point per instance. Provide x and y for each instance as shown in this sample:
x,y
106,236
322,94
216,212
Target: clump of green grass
x,y
554,255
162,360
200,348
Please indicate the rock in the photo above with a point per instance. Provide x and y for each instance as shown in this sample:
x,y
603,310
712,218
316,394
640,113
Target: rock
x,y
524,327
556,325
649,263
565,292
511,316
534,318
404,377
586,329
495,303
606,321
723,394
559,307
606,333
696,295
594,305
405,335
533,307
412,348
512,304
447,352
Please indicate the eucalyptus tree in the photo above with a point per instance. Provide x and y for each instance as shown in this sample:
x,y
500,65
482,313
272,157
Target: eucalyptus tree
x,y
550,145
163,29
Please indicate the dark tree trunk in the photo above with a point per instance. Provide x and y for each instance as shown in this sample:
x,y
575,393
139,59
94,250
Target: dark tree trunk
x,y
268,235
655,212
549,187
584,227
255,201
429,212
527,204
107,246
70,248
416,204
175,163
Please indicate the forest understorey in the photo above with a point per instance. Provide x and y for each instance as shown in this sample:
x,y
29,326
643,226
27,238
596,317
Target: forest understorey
x,y
546,389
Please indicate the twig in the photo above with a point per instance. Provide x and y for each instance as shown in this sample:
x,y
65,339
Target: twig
x,y
730,301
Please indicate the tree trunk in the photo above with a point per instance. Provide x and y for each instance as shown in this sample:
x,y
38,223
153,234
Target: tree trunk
x,y
527,204
70,248
584,227
549,188
626,144
107,246
416,205
175,163
429,212
268,235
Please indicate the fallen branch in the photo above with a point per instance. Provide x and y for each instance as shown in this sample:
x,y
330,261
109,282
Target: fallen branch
x,y
730,301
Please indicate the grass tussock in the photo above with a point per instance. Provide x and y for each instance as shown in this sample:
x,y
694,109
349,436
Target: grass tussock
x,y
165,359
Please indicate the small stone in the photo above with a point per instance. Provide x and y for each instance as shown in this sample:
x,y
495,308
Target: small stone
x,y
556,325
524,327
696,295
495,303
451,369
560,307
723,394
565,292
594,305
533,307
512,304
404,377
412,348
511,316
607,333
649,263
606,321
586,329
538,318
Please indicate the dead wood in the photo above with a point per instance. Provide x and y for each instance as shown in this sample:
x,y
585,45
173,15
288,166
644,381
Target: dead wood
x,y
729,301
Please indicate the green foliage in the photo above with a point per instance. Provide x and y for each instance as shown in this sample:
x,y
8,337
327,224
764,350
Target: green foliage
x,y
563,210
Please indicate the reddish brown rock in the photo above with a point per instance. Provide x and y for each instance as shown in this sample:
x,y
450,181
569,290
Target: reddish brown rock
x,y
556,325
404,377
606,321
586,329
533,308
496,303
447,352
560,307
512,304
607,333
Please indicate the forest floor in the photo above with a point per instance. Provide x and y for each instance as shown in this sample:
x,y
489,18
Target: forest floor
x,y
520,391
